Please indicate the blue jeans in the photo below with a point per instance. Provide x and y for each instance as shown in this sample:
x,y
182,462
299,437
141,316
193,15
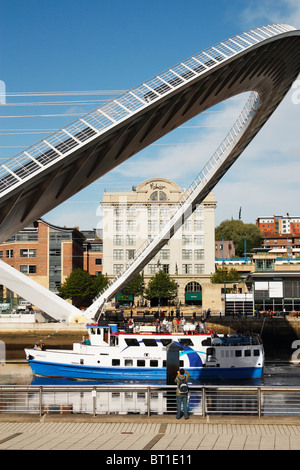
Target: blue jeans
x,y
182,401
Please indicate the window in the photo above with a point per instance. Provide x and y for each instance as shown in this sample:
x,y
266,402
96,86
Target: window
x,y
130,254
131,342
165,268
256,352
131,211
199,254
115,362
54,252
193,286
187,225
130,239
166,342
98,261
130,225
128,363
117,268
238,353
165,254
9,253
186,342
149,342
118,225
153,363
247,353
199,268
152,226
186,239
198,225
28,269
28,253
152,211
140,363
186,269
187,254
1,254
118,253
118,239
152,268
118,212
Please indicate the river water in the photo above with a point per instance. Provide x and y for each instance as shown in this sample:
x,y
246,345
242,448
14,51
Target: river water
x,y
275,374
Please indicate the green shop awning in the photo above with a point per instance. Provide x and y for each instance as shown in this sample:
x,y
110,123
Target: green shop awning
x,y
193,296
122,297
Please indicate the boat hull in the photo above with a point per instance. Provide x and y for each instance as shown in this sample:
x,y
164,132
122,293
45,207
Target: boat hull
x,y
49,369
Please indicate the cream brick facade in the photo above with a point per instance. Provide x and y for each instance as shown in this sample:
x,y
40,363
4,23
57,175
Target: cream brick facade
x,y
130,219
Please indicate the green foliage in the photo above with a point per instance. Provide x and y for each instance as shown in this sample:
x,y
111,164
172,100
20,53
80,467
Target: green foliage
x,y
135,287
161,286
237,231
99,283
81,287
224,275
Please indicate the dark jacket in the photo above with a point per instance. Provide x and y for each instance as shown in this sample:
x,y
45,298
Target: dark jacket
x,y
180,378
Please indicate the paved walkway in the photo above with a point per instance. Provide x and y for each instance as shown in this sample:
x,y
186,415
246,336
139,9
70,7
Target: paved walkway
x,y
140,433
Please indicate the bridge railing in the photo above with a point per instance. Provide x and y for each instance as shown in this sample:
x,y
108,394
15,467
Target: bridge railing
x,y
23,166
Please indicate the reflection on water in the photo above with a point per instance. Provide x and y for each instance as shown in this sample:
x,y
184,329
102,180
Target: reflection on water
x,y
281,374
161,400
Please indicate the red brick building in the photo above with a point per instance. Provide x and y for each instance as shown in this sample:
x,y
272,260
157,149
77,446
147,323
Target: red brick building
x,y
93,252
281,233
45,252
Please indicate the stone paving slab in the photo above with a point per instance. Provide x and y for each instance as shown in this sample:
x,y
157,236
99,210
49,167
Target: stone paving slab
x,y
135,433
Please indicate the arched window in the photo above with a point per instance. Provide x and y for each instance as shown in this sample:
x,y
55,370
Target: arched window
x,y
193,287
158,196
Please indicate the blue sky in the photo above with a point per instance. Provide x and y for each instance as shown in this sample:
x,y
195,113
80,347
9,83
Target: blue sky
x,y
108,47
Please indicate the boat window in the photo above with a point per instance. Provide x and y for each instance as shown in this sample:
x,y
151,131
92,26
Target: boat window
x,y
128,362
181,363
140,363
115,362
186,342
256,352
166,342
238,353
149,342
247,352
206,342
153,363
131,342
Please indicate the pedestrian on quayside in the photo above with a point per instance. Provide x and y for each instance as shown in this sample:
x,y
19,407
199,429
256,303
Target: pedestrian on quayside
x,y
182,393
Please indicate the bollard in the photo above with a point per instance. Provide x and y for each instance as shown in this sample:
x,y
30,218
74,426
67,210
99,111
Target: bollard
x,y
172,368
172,362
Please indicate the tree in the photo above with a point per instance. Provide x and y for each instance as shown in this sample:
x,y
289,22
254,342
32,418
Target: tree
x,y
99,283
224,275
78,286
161,286
135,287
237,231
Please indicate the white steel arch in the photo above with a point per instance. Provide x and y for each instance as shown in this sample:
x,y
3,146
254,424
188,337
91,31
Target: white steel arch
x,y
265,60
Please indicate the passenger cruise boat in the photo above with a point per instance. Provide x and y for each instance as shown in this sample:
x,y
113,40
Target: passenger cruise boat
x,y
142,355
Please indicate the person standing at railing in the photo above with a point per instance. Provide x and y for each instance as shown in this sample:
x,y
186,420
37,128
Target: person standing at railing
x,y
181,380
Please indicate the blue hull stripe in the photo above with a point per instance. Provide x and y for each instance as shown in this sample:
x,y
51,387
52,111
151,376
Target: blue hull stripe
x,y
49,369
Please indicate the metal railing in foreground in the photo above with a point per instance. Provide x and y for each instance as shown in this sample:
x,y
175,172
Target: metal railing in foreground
x,y
148,400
